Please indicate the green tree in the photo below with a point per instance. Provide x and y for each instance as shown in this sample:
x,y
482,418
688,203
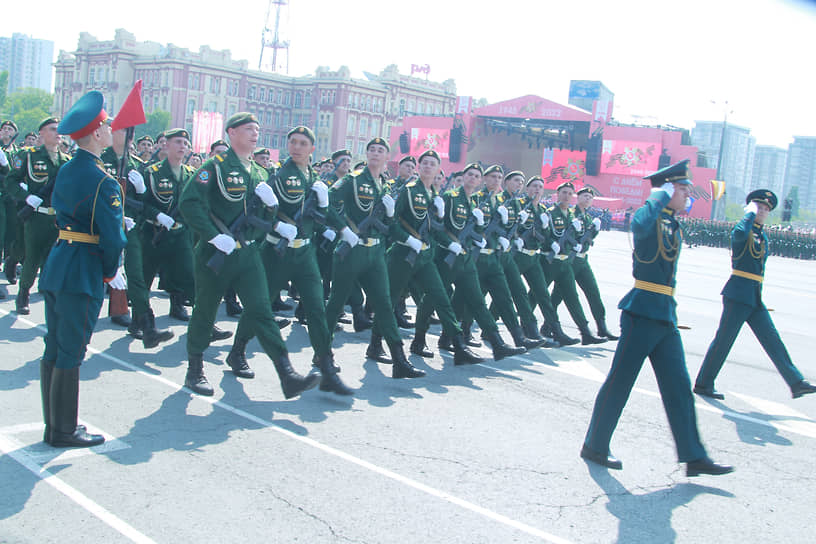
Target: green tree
x,y
157,121
27,108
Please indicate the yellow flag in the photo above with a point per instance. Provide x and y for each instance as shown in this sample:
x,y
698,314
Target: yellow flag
x,y
717,189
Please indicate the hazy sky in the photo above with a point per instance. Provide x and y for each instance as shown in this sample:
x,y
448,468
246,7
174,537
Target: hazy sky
x,y
665,61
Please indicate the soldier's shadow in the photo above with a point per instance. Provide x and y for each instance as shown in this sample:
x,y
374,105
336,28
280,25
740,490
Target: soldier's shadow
x,y
17,335
18,483
751,432
20,377
647,517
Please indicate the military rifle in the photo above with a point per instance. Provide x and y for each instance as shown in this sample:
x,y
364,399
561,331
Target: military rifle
x,y
466,238
238,226
373,222
309,209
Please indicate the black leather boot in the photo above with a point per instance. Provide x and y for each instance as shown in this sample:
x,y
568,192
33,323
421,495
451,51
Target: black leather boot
x,y
46,370
402,366
122,320
461,354
237,359
587,337
522,341
531,332
64,407
21,303
468,335
151,336
282,322
300,313
3,293
375,350
329,380
234,307
278,305
560,336
195,378
500,348
292,383
344,319
135,329
10,269
219,334
360,319
418,346
402,320
604,332
444,343
177,309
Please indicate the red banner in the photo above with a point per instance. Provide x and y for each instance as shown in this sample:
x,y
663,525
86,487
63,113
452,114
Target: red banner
x,y
423,139
561,165
629,158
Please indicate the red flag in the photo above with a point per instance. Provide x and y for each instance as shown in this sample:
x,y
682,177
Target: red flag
x,y
132,111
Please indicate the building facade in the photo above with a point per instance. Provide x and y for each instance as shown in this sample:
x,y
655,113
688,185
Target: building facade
x,y
769,169
28,61
737,154
801,170
344,112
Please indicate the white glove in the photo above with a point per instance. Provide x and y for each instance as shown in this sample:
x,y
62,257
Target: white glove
x,y
349,237
165,220
523,216
223,243
519,243
285,229
577,225
24,187
504,243
481,243
455,248
503,214
136,179
597,224
440,206
34,201
329,235
669,188
3,158
751,207
388,202
414,243
118,281
266,194
479,215
129,223
556,248
545,219
322,193
577,248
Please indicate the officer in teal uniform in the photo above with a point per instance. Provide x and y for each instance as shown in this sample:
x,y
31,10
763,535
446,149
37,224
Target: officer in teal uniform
x,y
30,182
88,205
742,302
649,329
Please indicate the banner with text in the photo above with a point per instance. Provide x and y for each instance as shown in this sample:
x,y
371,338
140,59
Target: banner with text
x,y
423,139
561,165
629,158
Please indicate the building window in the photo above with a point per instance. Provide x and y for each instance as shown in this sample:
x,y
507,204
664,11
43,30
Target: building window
x,y
368,103
271,96
190,107
361,147
91,74
268,117
287,98
196,82
286,119
363,126
213,107
375,128
307,101
251,93
298,99
275,141
277,118
352,124
350,144
261,94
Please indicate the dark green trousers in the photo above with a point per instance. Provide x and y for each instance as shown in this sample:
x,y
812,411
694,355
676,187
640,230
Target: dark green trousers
x,y
70,319
324,262
465,278
585,279
529,266
243,270
560,273
492,280
172,256
518,291
137,290
40,233
365,265
660,341
423,276
300,267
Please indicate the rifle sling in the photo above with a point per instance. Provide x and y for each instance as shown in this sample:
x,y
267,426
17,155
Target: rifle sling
x,y
410,229
221,226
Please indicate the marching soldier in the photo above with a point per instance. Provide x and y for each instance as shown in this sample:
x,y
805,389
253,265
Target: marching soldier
x,y
406,171
215,197
300,197
88,211
32,181
649,329
144,148
566,228
581,270
456,266
742,302
8,215
359,195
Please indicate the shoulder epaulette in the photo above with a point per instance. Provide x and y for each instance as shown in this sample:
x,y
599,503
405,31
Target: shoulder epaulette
x,y
453,193
188,168
221,157
155,166
411,184
500,198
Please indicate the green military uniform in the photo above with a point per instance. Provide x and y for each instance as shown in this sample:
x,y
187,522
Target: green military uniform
x,y
36,168
172,253
649,329
742,302
583,274
7,205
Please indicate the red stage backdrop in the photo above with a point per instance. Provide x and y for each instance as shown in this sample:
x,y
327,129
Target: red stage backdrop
x,y
560,165
629,158
423,139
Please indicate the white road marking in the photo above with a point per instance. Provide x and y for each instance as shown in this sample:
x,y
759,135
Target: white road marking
x,y
48,455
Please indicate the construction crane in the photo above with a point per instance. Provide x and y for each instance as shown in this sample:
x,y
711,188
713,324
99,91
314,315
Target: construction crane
x,y
270,38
